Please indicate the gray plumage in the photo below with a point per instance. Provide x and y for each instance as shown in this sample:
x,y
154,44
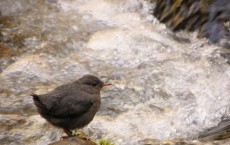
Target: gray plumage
x,y
73,105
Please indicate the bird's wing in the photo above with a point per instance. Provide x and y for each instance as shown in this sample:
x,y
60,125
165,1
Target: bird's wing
x,y
72,104
50,99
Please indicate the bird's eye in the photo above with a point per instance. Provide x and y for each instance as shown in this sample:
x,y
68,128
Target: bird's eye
x,y
91,83
94,84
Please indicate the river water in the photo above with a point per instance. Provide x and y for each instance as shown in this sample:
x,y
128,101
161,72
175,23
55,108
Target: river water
x,y
165,85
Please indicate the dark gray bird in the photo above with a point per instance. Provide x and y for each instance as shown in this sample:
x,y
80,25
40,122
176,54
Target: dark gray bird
x,y
73,105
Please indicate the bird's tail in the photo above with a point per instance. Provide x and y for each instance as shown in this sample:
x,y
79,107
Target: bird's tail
x,y
42,109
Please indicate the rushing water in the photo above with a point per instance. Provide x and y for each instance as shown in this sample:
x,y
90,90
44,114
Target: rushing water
x,y
165,85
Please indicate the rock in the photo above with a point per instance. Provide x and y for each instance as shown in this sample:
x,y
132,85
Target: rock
x,y
209,17
73,141
6,51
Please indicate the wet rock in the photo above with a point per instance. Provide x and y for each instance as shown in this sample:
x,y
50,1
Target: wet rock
x,y
6,51
209,17
74,141
5,21
182,14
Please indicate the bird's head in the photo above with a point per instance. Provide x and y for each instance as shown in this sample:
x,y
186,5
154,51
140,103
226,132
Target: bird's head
x,y
93,81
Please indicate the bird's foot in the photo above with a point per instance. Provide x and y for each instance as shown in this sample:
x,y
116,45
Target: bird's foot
x,y
64,137
74,133
69,134
81,135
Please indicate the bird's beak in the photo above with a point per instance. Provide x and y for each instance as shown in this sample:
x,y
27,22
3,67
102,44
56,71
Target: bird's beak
x,y
106,84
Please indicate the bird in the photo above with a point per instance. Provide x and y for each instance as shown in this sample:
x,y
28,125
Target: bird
x,y
72,105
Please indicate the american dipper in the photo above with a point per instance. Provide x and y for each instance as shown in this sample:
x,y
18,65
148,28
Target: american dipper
x,y
73,105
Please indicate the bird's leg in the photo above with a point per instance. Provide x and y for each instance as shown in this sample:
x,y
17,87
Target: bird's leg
x,y
68,132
